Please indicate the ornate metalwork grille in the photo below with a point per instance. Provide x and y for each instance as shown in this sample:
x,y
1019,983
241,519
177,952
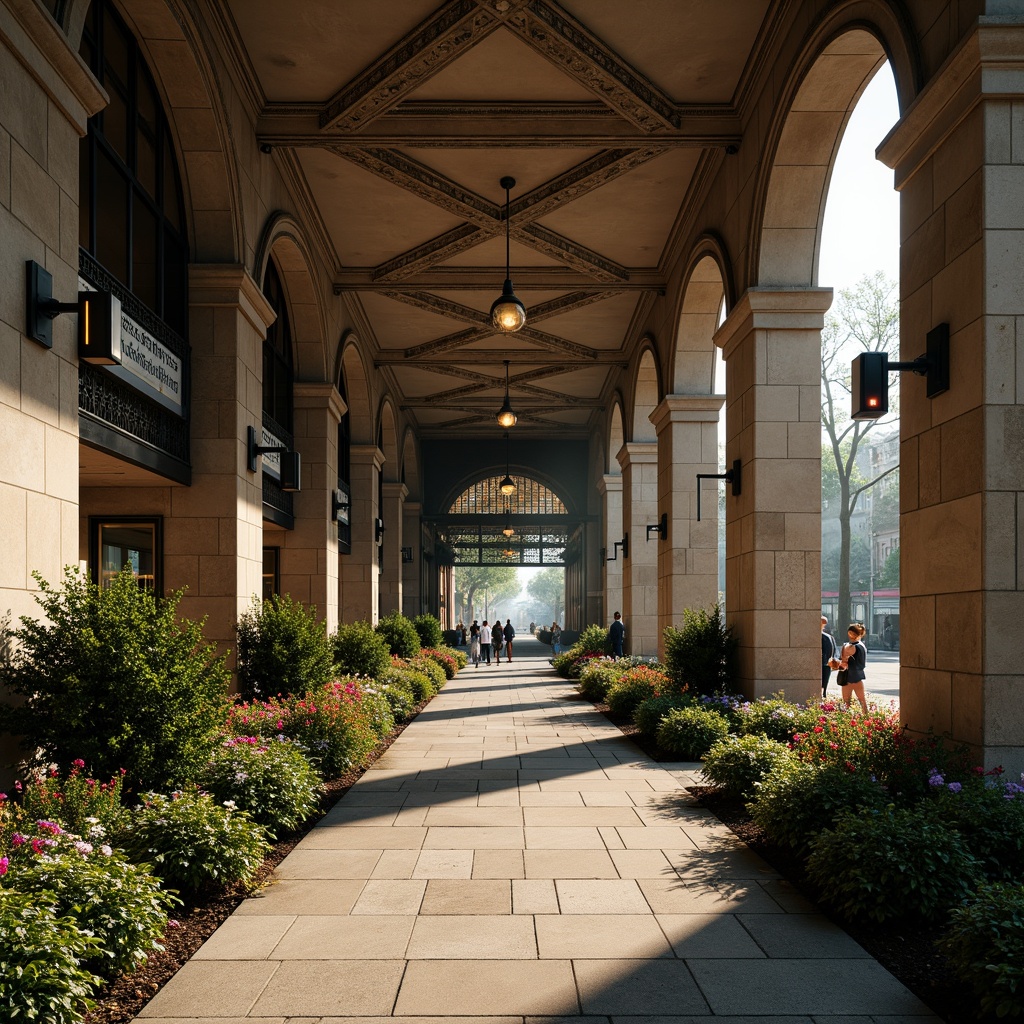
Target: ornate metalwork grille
x,y
530,498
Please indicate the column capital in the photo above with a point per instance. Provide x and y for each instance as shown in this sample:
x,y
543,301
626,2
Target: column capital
x,y
986,65
366,455
229,285
635,453
412,507
773,309
395,490
319,395
609,483
687,409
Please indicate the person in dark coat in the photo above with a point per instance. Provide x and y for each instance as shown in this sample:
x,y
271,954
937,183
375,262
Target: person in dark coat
x,y
509,633
616,634
828,655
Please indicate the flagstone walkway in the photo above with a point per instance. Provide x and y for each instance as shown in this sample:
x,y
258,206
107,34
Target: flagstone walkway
x,y
513,857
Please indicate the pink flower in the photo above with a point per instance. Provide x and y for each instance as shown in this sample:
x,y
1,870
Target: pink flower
x,y
3,866
78,763
18,839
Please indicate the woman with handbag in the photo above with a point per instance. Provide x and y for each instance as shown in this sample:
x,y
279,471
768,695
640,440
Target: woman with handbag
x,y
852,664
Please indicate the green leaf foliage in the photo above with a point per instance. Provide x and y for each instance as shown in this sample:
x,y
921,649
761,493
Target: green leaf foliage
x,y
737,763
400,635
701,653
282,649
633,687
113,678
649,713
428,627
359,650
597,676
689,733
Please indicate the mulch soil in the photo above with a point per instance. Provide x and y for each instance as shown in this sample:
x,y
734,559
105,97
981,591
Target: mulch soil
x,y
906,951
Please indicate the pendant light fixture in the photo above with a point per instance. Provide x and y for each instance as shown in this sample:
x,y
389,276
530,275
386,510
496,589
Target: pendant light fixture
x,y
506,417
508,314
508,531
507,485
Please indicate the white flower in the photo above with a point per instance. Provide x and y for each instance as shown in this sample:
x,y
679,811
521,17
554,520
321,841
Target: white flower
x,y
106,850
230,805
83,848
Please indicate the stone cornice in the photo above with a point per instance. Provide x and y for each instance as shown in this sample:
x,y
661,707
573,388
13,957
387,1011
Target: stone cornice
x,y
686,409
366,454
637,453
986,65
230,285
318,395
609,483
801,309
395,490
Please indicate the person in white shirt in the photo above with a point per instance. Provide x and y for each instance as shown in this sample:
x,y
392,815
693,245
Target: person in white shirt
x,y
485,642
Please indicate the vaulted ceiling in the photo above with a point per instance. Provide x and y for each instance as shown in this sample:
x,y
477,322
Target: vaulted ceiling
x,y
396,121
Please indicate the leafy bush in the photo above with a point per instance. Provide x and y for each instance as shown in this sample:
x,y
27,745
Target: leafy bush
x,y
689,733
702,652
893,863
991,820
400,635
736,763
650,712
597,676
192,842
81,804
985,948
420,683
428,628
730,706
776,718
443,658
633,687
398,692
796,800
106,896
432,671
282,649
593,640
42,958
375,705
329,724
271,779
111,677
359,650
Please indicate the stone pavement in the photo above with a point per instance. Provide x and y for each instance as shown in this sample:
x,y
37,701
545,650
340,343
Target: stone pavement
x,y
513,859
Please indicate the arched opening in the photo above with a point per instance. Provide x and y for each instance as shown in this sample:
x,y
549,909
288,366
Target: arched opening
x,y
646,393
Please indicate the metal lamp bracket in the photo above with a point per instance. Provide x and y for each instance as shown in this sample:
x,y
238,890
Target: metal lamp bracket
x,y
290,462
732,476
660,527
624,544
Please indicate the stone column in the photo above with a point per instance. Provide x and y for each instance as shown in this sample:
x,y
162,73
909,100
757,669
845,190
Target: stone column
x,y
610,489
359,572
391,579
639,462
412,597
687,427
213,537
771,342
309,553
959,162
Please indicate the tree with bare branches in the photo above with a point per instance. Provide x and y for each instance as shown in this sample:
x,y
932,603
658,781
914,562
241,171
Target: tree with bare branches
x,y
864,319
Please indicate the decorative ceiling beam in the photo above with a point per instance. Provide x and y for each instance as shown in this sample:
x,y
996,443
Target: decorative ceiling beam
x,y
431,46
437,250
447,343
572,254
574,50
543,360
467,279
564,405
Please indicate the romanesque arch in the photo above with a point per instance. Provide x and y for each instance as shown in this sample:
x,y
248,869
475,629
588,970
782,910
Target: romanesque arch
x,y
410,474
388,433
694,355
355,386
646,394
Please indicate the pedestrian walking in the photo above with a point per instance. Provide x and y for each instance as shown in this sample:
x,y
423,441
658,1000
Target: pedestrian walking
x,y
474,643
497,640
509,633
556,638
852,666
485,642
828,655
616,634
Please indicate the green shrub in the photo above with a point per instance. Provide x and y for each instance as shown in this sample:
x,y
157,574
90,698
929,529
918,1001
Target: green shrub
x,y
428,628
432,671
120,903
776,718
398,692
701,653
596,677
192,842
729,705
422,685
80,804
689,733
270,779
400,635
42,958
895,863
985,948
330,725
796,800
111,677
649,713
990,819
359,650
593,640
444,658
633,687
736,763
377,708
282,649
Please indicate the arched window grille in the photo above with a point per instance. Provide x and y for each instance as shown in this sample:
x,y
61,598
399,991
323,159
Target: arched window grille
x,y
131,218
278,376
531,497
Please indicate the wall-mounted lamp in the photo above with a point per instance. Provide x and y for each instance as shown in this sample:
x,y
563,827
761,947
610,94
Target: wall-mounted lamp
x,y
378,531
869,387
291,462
730,476
660,527
99,317
406,554
624,544
340,506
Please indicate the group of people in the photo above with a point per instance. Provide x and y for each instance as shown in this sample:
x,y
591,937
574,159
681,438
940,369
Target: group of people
x,y
484,637
849,662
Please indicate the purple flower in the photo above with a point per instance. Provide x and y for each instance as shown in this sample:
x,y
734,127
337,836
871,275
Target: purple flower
x,y
954,787
936,780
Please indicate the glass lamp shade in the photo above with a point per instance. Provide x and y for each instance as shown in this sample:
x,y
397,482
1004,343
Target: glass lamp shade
x,y
507,485
508,314
506,417
508,531
509,553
